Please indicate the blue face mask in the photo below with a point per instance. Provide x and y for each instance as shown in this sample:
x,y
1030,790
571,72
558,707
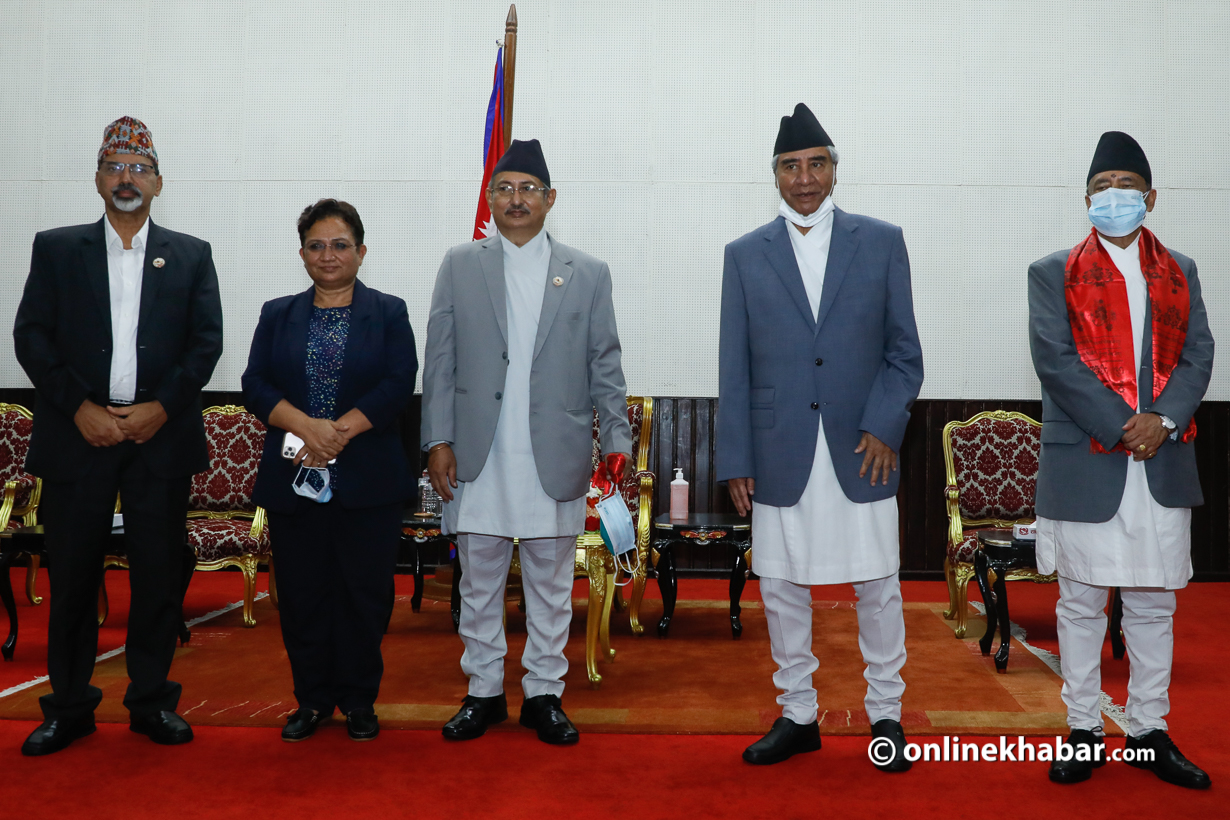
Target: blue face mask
x,y
1117,211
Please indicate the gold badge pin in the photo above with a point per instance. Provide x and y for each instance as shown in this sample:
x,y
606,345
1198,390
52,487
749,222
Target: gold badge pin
x,y
159,262
557,281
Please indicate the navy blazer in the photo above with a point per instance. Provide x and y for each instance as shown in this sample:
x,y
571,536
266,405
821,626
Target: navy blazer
x,y
62,338
857,367
378,373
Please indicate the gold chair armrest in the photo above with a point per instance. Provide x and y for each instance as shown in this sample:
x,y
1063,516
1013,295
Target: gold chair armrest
x,y
6,506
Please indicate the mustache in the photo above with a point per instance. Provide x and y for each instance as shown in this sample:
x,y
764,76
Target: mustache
x,y
126,186
516,209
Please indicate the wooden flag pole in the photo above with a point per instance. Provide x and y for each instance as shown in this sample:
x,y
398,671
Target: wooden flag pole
x,y
510,70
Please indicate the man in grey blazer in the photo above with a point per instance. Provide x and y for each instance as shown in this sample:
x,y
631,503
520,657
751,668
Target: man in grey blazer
x,y
819,365
1122,347
521,347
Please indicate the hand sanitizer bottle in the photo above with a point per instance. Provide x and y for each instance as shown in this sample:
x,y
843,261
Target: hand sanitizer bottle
x,y
679,497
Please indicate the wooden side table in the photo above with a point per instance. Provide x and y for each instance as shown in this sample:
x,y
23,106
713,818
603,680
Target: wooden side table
x,y
727,531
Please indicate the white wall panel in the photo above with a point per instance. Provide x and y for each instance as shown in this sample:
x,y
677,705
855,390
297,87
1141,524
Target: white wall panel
x,y
970,124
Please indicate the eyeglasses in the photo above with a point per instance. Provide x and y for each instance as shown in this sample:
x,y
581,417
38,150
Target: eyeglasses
x,y
137,169
506,191
338,245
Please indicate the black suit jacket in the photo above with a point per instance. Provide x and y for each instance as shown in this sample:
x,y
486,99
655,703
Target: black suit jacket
x,y
379,368
63,341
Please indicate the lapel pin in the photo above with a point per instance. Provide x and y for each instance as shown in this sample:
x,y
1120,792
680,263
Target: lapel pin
x,y
159,262
557,281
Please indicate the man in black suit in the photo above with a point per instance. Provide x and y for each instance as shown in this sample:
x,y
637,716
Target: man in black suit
x,y
119,328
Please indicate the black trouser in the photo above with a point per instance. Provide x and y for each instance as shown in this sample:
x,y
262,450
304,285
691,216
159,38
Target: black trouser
x,y
335,571
76,517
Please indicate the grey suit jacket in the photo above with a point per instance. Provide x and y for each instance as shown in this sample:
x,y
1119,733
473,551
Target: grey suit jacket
x,y
1075,484
857,367
576,365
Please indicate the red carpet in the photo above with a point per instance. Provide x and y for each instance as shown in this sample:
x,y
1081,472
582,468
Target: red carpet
x,y
233,772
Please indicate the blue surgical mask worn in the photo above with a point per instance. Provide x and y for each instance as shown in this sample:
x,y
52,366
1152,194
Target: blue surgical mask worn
x,y
313,483
1117,211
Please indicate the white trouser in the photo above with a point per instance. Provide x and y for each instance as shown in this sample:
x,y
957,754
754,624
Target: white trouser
x,y
1148,631
881,637
546,576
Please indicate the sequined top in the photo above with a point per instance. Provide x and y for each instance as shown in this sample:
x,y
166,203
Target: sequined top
x,y
326,348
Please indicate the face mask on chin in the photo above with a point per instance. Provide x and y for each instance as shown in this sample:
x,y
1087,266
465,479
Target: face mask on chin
x,y
1117,211
810,220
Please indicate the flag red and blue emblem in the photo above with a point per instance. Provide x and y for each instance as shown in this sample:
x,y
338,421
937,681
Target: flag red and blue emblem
x,y
493,148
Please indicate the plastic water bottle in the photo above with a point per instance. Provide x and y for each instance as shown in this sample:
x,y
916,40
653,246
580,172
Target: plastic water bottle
x,y
429,499
679,497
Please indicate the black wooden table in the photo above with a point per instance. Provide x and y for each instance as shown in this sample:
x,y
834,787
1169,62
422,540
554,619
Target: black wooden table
x,y
726,531
1001,553
418,533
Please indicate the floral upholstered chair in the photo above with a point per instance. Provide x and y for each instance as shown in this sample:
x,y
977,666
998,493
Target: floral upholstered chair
x,y
594,560
224,527
992,470
21,490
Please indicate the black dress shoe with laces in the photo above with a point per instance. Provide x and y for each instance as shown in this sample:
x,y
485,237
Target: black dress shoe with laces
x,y
785,739
888,758
475,715
545,715
1088,753
55,734
361,724
301,725
1167,762
166,728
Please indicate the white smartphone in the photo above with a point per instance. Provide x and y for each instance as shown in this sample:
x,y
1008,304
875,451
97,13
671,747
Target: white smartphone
x,y
292,444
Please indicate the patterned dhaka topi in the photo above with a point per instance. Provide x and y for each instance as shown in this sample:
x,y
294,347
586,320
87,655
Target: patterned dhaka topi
x,y
128,135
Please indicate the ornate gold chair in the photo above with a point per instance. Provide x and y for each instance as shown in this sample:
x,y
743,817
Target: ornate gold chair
x,y
595,562
992,470
225,529
21,490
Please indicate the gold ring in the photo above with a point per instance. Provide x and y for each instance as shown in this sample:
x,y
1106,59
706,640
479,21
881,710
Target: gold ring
x,y
1142,448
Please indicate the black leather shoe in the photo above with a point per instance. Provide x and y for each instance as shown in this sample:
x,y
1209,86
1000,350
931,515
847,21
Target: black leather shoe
x,y
166,728
475,716
301,725
545,715
54,735
786,738
892,753
1088,753
1168,762
361,724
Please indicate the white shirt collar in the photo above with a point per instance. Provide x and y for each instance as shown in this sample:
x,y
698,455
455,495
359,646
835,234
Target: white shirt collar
x,y
537,249
114,243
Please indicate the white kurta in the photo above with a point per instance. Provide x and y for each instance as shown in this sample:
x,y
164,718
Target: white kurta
x,y
507,498
1145,544
825,538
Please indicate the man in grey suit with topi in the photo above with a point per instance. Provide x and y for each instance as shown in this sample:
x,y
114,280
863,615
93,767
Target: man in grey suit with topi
x,y
820,363
1121,344
521,347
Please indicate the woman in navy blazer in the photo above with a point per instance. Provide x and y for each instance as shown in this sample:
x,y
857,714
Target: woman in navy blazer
x,y
334,366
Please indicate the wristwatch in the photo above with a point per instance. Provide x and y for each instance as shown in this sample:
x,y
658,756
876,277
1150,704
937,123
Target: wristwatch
x,y
1169,424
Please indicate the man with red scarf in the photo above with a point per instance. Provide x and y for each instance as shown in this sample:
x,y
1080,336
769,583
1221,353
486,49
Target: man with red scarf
x,y
1122,347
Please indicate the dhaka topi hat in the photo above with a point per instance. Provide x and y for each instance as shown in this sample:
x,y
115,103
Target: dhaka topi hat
x,y
524,156
800,131
1117,151
128,135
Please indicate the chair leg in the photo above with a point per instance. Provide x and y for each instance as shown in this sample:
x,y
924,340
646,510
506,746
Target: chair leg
x,y
611,591
273,584
950,576
10,605
1116,626
103,604
595,565
963,574
982,573
638,595
248,566
31,576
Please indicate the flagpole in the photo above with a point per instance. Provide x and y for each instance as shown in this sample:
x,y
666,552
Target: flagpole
x,y
510,69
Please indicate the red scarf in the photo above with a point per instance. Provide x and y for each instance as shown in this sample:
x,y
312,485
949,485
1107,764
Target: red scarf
x,y
1097,299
